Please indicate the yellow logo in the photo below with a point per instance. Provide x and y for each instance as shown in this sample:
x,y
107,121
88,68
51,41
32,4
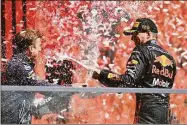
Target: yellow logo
x,y
111,75
164,61
133,62
136,24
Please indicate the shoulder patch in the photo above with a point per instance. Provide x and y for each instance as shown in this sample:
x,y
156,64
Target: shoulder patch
x,y
113,76
27,67
133,61
136,24
32,75
163,60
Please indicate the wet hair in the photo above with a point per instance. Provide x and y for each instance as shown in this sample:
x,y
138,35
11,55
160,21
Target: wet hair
x,y
24,39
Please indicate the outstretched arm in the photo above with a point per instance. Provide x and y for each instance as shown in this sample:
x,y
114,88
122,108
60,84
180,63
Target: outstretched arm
x,y
136,67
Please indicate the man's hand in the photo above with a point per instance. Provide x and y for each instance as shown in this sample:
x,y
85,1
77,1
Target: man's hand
x,y
95,75
79,85
95,72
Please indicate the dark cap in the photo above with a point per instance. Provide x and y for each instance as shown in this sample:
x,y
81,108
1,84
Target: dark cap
x,y
142,25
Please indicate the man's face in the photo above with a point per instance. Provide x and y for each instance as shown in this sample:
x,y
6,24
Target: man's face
x,y
36,48
139,38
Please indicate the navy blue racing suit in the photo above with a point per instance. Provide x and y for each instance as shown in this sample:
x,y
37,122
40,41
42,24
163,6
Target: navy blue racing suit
x,y
16,106
149,66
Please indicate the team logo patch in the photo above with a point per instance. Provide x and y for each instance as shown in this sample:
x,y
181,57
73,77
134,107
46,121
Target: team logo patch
x,y
31,75
161,83
136,24
163,71
133,61
27,67
113,76
163,60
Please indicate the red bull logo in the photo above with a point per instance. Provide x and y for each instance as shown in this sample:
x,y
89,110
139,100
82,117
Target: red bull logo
x,y
164,72
164,61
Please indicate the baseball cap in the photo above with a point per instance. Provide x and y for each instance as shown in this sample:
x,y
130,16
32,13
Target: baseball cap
x,y
142,25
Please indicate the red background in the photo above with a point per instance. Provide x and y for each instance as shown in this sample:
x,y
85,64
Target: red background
x,y
170,17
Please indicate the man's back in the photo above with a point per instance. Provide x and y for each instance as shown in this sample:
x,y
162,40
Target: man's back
x,y
16,106
160,73
149,66
19,70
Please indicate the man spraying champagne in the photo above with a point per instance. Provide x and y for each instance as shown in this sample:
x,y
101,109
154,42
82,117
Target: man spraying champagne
x,y
149,66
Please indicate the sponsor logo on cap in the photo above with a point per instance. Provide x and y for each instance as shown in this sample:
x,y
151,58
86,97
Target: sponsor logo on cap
x,y
130,31
145,27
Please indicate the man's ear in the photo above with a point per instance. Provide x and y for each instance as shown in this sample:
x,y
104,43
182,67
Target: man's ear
x,y
31,48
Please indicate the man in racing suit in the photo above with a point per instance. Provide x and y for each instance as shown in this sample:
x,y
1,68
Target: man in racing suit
x,y
149,66
16,106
